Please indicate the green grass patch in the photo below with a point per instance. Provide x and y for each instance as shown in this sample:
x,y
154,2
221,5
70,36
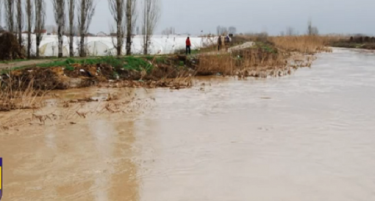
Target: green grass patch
x,y
161,60
11,61
265,47
149,58
136,63
128,63
195,51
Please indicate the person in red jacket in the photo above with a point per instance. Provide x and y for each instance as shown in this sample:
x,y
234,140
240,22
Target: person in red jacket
x,y
188,45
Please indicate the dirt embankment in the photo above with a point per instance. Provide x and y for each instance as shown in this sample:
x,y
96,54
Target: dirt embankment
x,y
79,75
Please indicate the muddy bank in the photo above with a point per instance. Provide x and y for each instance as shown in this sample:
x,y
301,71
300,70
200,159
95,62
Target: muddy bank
x,y
173,72
77,75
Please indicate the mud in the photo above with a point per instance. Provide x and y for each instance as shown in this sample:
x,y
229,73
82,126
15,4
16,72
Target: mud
x,y
308,136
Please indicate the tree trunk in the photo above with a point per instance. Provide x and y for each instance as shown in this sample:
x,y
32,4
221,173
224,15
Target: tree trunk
x,y
119,39
71,49
129,20
145,48
29,29
71,26
60,41
82,46
59,10
37,46
19,20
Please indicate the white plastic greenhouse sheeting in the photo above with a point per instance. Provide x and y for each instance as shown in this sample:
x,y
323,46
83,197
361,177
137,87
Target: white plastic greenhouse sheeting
x,y
101,46
96,48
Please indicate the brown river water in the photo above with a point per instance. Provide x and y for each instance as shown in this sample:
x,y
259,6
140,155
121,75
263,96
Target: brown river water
x,y
309,136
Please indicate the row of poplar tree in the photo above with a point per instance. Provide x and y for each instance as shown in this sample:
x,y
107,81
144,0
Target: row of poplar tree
x,y
80,13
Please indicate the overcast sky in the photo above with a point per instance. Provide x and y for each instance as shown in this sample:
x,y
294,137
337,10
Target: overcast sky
x,y
272,16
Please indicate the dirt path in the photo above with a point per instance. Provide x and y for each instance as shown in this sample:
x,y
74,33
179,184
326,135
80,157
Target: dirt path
x,y
12,64
23,63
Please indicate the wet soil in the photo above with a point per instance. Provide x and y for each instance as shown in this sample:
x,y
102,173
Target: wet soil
x,y
308,136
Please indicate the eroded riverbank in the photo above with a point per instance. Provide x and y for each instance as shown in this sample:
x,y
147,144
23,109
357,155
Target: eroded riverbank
x,y
307,136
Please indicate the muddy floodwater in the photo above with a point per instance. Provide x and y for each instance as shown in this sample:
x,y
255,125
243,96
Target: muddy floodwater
x,y
309,136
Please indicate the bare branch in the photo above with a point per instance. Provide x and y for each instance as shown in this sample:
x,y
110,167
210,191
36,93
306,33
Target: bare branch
x,y
86,10
9,17
130,22
71,7
1,14
59,9
40,15
19,21
30,20
117,8
151,14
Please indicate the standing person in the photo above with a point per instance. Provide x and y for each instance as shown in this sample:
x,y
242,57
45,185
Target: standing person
x,y
219,43
227,41
188,45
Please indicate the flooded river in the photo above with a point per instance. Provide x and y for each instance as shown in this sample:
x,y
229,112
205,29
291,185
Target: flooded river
x,y
308,136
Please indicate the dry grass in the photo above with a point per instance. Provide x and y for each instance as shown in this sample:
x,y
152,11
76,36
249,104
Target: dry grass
x,y
271,56
250,64
302,44
212,64
14,95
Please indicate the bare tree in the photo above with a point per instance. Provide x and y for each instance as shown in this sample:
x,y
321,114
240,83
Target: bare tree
x,y
86,10
290,31
1,13
30,20
311,30
130,22
224,30
232,30
218,30
168,31
59,9
9,17
19,21
117,9
71,5
151,14
40,16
